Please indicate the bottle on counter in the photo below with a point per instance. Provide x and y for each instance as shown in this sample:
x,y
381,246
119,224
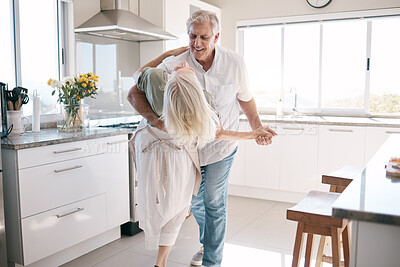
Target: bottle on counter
x,y
279,107
36,112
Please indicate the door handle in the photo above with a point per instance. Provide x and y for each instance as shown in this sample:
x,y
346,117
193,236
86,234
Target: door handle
x,y
341,130
68,169
117,142
69,213
67,150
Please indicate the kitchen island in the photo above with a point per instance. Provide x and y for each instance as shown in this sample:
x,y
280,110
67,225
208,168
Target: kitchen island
x,y
372,203
65,194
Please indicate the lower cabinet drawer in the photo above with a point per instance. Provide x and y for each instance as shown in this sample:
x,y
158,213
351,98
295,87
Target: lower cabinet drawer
x,y
52,231
50,186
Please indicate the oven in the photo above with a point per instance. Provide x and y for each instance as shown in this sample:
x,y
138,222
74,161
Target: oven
x,y
132,227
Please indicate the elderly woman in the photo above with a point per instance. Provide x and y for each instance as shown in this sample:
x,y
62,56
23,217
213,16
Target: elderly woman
x,y
167,162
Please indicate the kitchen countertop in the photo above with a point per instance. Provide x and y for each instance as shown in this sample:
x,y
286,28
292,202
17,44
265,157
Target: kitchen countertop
x,y
330,120
373,196
52,136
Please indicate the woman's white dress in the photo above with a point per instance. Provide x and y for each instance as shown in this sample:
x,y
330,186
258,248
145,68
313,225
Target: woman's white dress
x,y
168,174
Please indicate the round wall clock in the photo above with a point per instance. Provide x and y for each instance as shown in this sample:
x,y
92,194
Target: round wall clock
x,y
319,3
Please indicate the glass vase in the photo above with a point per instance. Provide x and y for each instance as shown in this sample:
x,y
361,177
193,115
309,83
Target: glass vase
x,y
73,117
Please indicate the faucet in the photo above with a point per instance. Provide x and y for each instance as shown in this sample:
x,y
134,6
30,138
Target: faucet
x,y
119,90
294,109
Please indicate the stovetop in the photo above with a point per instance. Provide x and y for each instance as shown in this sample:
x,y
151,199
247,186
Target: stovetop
x,y
127,125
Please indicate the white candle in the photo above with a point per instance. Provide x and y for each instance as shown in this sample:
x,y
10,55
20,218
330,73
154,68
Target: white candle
x,y
36,113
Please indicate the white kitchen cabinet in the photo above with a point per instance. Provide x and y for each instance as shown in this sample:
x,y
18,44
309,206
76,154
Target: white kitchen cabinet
x,y
58,196
116,178
374,139
61,183
54,230
339,146
294,163
298,157
288,164
262,164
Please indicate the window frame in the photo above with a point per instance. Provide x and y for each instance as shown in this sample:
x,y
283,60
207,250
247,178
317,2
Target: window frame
x,y
65,35
242,25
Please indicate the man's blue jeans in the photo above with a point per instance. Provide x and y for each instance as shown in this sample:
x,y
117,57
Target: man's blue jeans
x,y
209,208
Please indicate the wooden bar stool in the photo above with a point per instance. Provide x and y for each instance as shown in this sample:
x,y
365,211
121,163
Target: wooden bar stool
x,y
341,178
314,216
338,180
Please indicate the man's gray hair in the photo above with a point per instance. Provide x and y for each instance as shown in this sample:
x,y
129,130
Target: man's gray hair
x,y
201,17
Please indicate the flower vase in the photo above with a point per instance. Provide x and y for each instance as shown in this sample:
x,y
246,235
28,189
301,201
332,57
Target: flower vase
x,y
74,117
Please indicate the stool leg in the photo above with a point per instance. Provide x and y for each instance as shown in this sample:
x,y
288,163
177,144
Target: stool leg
x,y
298,244
346,246
321,250
309,249
335,247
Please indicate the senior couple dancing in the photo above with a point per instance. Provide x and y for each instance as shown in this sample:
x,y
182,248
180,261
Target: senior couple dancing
x,y
184,147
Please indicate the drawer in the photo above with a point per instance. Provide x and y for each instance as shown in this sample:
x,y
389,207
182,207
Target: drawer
x,y
53,185
52,231
36,156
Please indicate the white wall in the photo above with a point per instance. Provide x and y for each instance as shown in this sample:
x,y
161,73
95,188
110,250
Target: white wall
x,y
234,10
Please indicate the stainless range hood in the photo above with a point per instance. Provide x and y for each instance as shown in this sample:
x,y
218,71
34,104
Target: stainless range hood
x,y
115,21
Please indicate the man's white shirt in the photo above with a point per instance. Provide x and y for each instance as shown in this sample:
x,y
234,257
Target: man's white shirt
x,y
226,81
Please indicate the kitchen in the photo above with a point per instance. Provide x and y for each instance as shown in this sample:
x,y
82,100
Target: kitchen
x,y
311,142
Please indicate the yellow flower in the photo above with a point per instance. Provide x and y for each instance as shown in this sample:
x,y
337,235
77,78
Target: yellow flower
x,y
49,82
96,80
77,97
91,84
89,91
84,85
90,73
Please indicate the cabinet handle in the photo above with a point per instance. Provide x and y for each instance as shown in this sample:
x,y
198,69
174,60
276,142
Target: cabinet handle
x,y
67,169
292,128
69,213
67,150
392,132
340,130
116,142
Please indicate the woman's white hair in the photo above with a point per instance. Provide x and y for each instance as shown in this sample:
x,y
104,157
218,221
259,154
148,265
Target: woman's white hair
x,y
201,17
187,116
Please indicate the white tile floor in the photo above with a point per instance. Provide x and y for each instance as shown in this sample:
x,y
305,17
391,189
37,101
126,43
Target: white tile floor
x,y
258,234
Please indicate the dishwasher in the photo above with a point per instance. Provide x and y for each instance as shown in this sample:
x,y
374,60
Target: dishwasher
x,y
132,227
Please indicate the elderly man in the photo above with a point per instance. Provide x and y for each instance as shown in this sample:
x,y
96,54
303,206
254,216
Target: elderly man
x,y
222,73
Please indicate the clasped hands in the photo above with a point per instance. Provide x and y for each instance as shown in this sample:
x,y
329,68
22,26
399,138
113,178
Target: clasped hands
x,y
264,135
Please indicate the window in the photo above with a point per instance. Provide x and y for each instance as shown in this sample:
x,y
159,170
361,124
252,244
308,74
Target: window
x,y
301,64
114,61
343,64
334,64
35,48
264,75
384,67
39,50
7,74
